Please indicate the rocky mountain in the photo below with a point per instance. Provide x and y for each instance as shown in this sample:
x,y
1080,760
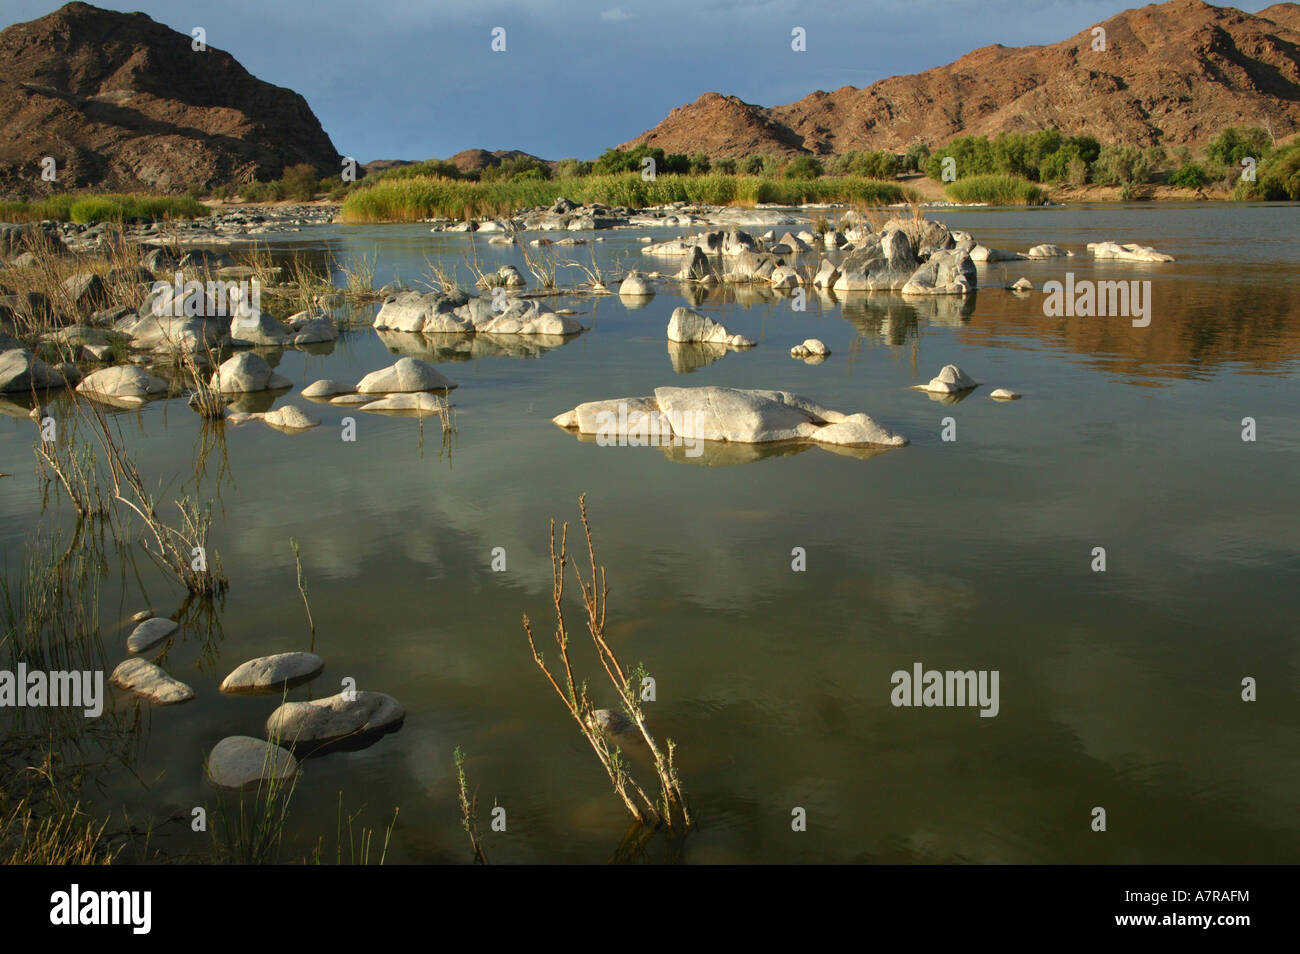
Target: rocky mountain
x,y
122,102
1171,74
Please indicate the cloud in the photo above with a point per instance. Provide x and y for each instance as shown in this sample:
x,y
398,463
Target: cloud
x,y
615,15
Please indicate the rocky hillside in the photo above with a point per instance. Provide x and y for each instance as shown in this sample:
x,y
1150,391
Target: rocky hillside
x,y
122,102
1171,74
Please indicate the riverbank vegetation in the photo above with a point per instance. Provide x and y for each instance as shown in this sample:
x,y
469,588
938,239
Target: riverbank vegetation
x,y
413,198
105,207
1241,163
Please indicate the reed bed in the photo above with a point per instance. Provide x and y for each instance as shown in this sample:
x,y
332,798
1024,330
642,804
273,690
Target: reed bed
x,y
425,197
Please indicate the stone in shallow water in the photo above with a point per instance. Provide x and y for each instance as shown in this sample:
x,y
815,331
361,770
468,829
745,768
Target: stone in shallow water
x,y
346,720
123,381
635,286
1127,252
812,347
418,403
675,415
241,762
247,372
290,418
346,399
690,326
407,374
150,633
617,728
275,672
950,380
325,388
1005,394
150,681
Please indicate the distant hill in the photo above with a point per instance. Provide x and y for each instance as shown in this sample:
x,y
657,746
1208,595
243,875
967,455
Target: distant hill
x,y
1171,74
476,160
122,102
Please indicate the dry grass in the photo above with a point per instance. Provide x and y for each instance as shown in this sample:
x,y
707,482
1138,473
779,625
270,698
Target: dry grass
x,y
670,808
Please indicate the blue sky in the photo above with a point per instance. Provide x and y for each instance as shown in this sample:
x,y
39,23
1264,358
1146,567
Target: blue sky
x,y
413,79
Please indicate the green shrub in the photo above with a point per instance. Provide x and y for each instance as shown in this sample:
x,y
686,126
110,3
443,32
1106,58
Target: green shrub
x,y
572,169
869,163
299,182
915,157
803,167
520,167
1278,179
1121,165
1189,176
441,168
1236,143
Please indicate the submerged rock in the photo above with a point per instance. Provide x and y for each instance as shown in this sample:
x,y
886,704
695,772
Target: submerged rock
x,y
1004,394
242,762
617,728
150,633
416,403
349,718
276,672
150,681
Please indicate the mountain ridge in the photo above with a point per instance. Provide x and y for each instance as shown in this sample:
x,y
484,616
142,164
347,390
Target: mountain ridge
x,y
1172,74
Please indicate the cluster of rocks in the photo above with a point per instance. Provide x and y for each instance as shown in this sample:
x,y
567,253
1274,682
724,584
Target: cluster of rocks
x,y
914,257
407,387
457,312
349,720
565,215
812,351
224,225
952,383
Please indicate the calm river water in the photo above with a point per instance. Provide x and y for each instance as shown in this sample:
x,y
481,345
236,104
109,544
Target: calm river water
x,y
1119,689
